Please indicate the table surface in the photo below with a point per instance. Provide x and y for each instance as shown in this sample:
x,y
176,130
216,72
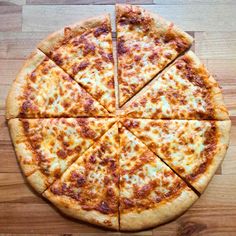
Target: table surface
x,y
23,23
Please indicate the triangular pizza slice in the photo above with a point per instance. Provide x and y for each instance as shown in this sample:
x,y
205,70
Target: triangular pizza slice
x,y
146,43
185,90
42,89
47,147
84,51
193,149
150,192
88,190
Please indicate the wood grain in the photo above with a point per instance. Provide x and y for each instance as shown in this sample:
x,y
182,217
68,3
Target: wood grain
x,y
25,22
45,18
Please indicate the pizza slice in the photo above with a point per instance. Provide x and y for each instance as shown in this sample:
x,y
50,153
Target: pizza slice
x,y
150,192
146,43
42,89
88,190
193,149
185,90
47,147
84,51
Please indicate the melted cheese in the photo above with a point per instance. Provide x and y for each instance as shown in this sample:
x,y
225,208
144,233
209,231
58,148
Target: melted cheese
x,y
56,143
179,143
141,169
97,74
173,96
55,94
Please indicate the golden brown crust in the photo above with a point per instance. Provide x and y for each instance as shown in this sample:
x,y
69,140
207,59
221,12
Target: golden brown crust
x,y
22,147
159,215
39,181
13,103
223,128
55,40
71,208
220,111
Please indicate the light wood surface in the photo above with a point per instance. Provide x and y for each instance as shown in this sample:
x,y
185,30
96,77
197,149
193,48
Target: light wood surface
x,y
25,22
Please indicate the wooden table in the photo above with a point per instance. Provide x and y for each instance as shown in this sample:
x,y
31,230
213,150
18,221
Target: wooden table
x,y
23,23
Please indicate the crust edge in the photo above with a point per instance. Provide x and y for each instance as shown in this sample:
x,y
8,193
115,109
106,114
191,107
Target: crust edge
x,y
159,215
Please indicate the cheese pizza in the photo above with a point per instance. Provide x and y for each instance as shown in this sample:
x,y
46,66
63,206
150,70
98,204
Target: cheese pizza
x,y
88,190
146,43
194,149
84,51
184,91
42,89
150,192
127,168
46,147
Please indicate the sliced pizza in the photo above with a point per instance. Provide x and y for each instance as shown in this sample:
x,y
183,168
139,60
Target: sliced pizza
x,y
150,192
146,43
88,190
47,147
42,89
185,90
84,51
193,149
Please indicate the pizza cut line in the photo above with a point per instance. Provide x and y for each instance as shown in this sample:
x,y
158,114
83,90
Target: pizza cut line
x,y
131,169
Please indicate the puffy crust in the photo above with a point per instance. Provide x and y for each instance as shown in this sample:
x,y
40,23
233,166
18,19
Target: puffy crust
x,y
163,26
223,128
56,39
17,88
39,181
221,112
22,147
71,208
159,215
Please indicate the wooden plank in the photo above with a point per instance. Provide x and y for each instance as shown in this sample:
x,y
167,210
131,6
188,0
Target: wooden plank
x,y
229,164
12,2
14,189
18,45
10,18
85,2
197,18
3,94
193,2
223,70
9,70
216,45
8,157
229,93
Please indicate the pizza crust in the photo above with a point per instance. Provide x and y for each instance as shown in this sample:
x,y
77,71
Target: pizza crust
x,y
56,39
159,215
39,181
163,25
224,131
70,207
220,110
13,103
22,147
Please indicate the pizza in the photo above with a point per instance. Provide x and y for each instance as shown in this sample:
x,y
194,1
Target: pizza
x,y
42,89
150,192
128,167
47,147
185,90
146,43
88,189
193,148
84,51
